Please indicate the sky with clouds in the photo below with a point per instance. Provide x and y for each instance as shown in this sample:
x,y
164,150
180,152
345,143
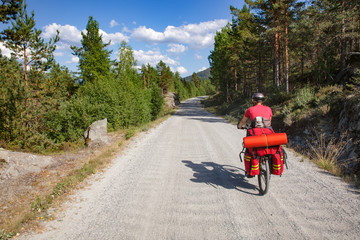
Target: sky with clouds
x,y
180,33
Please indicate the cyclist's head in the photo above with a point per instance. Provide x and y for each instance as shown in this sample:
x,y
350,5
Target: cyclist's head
x,y
258,97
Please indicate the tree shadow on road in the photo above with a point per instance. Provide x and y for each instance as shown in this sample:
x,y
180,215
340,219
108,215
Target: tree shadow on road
x,y
217,175
211,119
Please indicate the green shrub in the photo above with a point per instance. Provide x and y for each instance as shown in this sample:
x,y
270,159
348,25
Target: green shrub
x,y
276,97
304,96
157,102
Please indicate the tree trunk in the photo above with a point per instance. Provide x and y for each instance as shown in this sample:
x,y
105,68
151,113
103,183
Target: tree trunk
x,y
25,67
260,80
343,41
227,91
286,51
144,76
276,60
235,76
302,65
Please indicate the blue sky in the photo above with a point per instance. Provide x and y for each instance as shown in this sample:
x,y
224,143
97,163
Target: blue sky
x,y
180,33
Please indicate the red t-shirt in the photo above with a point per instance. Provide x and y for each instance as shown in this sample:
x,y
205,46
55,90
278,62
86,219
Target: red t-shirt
x,y
258,110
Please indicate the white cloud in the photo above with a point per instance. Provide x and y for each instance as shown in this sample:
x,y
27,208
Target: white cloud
x,y
198,57
63,46
115,38
147,34
58,54
182,70
176,48
201,69
68,34
153,58
113,23
5,51
125,29
197,36
74,59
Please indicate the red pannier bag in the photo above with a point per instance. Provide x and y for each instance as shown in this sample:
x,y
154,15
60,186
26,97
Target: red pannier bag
x,y
252,155
251,164
277,167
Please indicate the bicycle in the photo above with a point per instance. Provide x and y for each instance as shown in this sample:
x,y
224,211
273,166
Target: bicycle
x,y
264,172
265,162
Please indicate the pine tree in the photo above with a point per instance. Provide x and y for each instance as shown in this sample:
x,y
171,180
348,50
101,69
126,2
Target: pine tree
x,y
242,47
195,79
36,56
9,10
149,75
94,58
25,42
219,62
166,77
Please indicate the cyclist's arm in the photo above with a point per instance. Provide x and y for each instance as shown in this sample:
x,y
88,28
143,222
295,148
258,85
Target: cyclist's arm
x,y
242,122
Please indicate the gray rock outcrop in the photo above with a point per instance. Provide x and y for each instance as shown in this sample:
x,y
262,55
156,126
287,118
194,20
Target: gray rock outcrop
x,y
96,134
171,100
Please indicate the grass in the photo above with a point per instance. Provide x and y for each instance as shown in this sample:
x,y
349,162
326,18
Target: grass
x,y
38,209
326,151
6,235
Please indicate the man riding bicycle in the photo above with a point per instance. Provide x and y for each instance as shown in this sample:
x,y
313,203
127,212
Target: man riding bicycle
x,y
258,114
260,117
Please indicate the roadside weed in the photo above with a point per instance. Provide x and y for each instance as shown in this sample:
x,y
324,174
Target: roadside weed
x,y
326,151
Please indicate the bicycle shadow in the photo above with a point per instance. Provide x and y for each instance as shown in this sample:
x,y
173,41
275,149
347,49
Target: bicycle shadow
x,y
217,175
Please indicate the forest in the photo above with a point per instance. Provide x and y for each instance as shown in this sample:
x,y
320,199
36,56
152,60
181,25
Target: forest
x,y
283,45
45,107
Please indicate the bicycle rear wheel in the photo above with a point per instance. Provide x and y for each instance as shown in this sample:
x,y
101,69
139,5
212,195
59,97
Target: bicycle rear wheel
x,y
264,175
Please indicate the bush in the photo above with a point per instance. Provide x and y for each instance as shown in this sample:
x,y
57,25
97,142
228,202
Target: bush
x,y
304,96
277,97
157,102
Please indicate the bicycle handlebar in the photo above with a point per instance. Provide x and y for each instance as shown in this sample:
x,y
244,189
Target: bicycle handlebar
x,y
245,127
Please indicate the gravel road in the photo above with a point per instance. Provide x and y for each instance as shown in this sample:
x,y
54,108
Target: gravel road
x,y
183,180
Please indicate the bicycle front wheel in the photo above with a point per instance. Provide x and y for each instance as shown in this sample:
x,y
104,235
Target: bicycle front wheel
x,y
264,175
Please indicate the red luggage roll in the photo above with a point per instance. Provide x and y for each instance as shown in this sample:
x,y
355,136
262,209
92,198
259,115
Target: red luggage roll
x,y
265,140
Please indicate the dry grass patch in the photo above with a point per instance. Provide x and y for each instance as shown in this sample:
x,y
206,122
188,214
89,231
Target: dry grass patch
x,y
326,151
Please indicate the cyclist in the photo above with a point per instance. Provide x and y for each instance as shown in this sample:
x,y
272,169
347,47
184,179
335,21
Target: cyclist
x,y
259,114
260,117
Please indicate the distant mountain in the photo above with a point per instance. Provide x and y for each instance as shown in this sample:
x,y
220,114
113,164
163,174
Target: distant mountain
x,y
205,74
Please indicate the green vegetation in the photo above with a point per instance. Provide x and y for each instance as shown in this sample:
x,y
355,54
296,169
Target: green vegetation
x,y
284,45
44,107
305,59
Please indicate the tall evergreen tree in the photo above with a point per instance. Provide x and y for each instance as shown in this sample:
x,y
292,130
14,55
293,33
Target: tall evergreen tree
x,y
148,75
25,42
165,75
219,62
195,79
94,58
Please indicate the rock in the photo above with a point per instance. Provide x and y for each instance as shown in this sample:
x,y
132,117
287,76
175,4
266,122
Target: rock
x,y
17,164
171,100
97,133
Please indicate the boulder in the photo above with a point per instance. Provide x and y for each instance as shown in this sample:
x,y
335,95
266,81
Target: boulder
x,y
171,100
97,133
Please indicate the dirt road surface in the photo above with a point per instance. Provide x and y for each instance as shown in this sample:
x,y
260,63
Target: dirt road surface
x,y
184,180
